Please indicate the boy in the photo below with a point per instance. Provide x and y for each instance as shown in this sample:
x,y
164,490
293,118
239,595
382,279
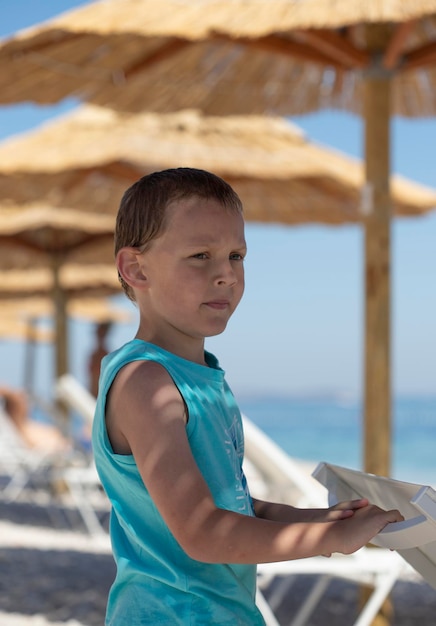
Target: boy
x,y
168,438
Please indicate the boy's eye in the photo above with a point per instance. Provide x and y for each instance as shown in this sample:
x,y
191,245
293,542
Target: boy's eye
x,y
234,256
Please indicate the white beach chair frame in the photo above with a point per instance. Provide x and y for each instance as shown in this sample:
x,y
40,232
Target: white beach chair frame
x,y
41,477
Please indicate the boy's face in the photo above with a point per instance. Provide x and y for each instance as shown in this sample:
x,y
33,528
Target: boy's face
x,y
194,270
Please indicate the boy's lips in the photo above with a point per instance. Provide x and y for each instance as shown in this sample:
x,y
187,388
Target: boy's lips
x,y
218,304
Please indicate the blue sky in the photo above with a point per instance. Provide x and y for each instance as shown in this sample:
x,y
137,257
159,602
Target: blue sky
x,y
299,328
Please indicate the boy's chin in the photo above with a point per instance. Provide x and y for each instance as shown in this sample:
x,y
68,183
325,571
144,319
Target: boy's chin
x,y
217,331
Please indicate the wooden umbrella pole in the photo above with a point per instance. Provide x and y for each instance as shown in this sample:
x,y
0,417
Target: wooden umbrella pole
x,y
29,358
377,386
377,392
61,338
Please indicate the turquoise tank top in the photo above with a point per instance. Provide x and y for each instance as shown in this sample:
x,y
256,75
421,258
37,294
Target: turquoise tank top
x,y
156,581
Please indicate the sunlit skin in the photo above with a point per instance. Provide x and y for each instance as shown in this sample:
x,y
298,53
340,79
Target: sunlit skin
x,y
193,277
187,284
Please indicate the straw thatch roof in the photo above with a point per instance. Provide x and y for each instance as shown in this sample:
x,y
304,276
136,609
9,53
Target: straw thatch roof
x,y
75,280
13,328
37,235
18,317
238,56
61,284
87,159
190,19
41,240
90,309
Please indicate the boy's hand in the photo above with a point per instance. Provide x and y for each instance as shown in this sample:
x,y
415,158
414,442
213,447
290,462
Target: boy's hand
x,y
363,525
345,509
341,510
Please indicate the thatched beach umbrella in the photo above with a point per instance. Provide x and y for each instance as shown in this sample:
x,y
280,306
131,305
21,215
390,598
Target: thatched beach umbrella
x,y
88,308
278,56
46,237
87,158
15,328
247,56
78,284
78,281
20,317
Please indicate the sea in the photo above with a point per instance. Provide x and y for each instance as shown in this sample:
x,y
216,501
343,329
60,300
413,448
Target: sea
x,y
331,429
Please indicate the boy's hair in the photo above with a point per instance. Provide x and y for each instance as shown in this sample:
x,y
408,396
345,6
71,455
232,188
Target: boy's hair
x,y
141,215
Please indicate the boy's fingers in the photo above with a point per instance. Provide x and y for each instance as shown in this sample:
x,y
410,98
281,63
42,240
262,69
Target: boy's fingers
x,y
338,514
396,516
351,504
343,514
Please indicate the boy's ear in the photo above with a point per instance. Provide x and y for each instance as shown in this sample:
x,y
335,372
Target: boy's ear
x,y
129,267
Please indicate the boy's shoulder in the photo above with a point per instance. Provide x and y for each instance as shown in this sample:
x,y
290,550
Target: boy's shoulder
x,y
132,350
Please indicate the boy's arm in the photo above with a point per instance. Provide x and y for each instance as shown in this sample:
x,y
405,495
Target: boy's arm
x,y
287,513
146,415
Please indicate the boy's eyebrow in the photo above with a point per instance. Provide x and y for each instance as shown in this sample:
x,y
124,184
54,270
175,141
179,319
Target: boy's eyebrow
x,y
200,243
207,239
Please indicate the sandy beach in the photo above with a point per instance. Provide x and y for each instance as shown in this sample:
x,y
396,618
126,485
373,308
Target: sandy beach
x,y
55,576
50,576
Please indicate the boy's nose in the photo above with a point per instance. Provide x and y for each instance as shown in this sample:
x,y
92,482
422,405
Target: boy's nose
x,y
226,274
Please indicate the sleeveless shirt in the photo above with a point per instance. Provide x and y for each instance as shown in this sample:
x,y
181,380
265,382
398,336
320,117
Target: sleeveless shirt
x,y
156,581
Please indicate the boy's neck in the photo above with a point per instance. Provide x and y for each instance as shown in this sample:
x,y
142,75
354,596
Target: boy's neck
x,y
191,350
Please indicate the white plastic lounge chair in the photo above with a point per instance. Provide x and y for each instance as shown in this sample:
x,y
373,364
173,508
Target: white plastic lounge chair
x,y
415,537
65,477
20,465
83,482
277,476
76,396
39,476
